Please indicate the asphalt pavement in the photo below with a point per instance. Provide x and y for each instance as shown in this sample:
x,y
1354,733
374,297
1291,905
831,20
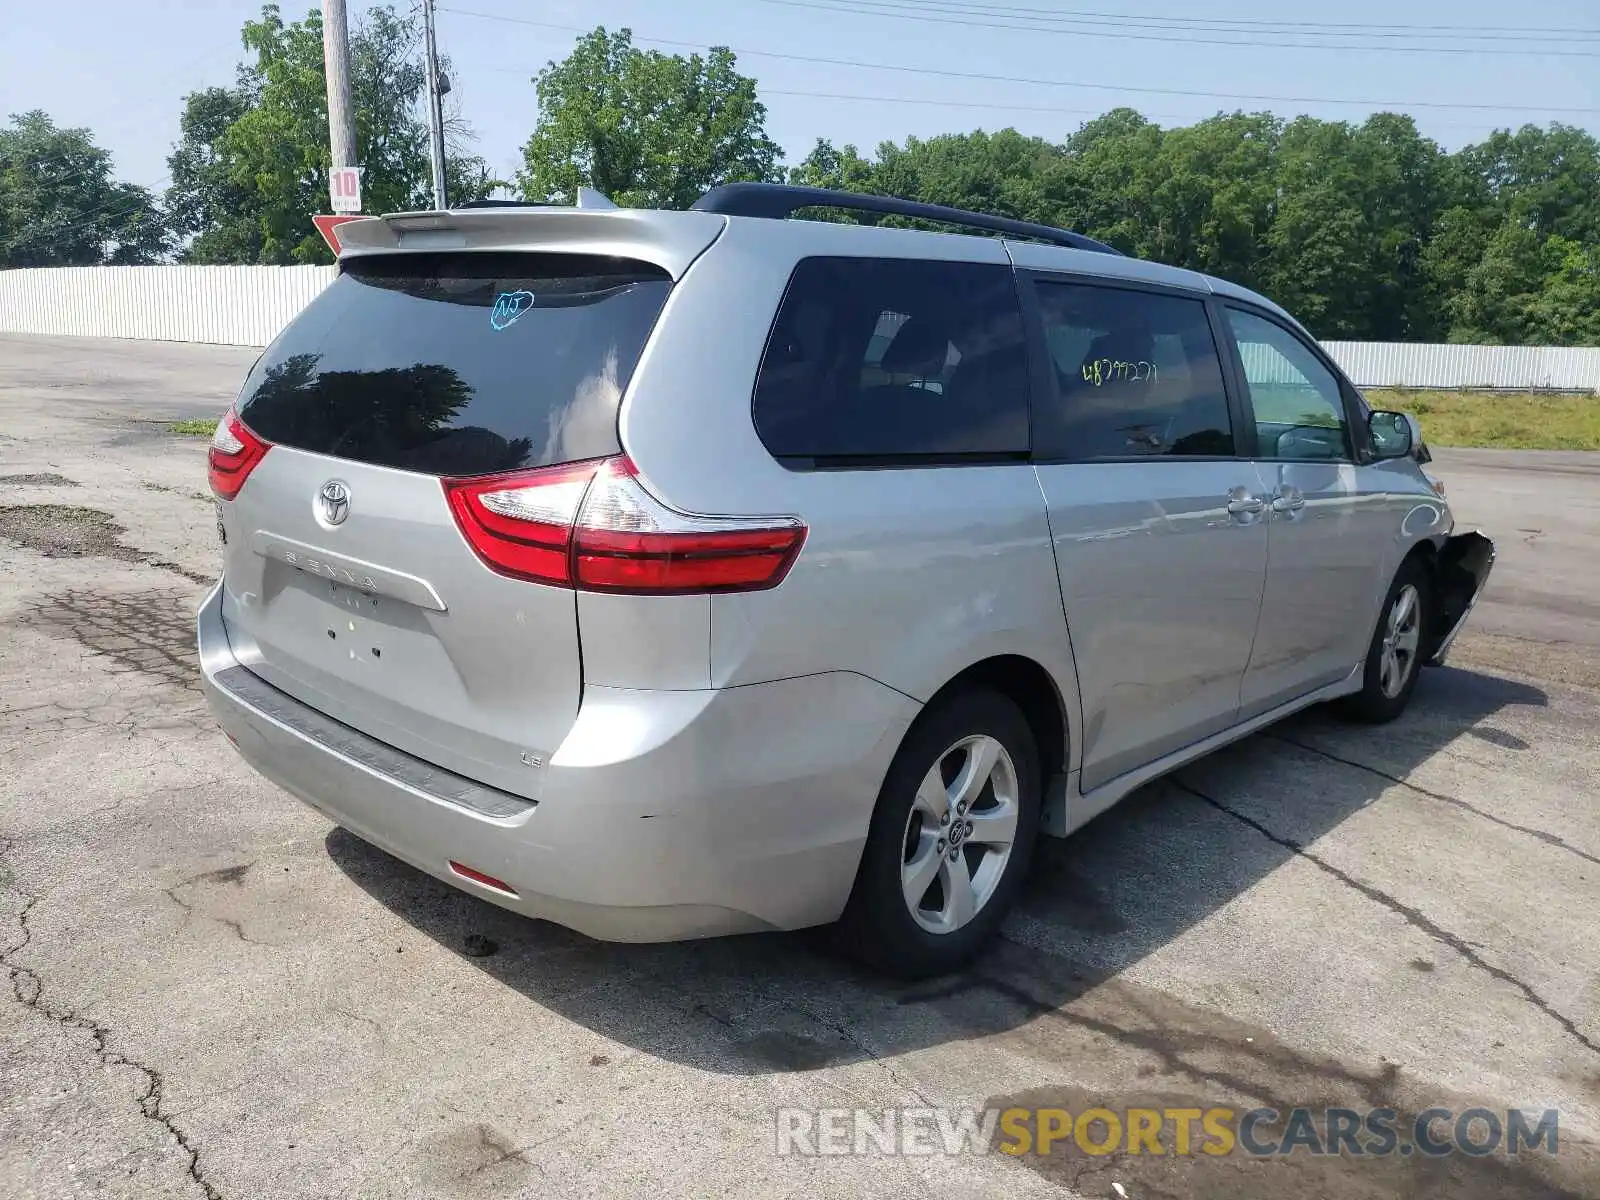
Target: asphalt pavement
x,y
213,992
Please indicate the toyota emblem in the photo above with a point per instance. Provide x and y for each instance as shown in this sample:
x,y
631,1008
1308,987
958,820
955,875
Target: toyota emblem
x,y
335,500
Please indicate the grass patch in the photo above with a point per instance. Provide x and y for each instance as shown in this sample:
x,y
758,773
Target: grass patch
x,y
200,428
1500,420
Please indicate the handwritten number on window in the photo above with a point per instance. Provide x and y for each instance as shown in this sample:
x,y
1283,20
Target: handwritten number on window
x,y
1102,371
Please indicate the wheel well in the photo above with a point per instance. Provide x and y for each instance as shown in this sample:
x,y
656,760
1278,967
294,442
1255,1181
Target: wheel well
x,y
1424,550
1030,687
1426,553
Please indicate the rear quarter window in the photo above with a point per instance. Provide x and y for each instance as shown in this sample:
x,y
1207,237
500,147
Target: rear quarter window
x,y
894,360
459,364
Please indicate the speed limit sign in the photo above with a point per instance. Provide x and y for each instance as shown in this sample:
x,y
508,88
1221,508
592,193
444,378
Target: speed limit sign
x,y
344,189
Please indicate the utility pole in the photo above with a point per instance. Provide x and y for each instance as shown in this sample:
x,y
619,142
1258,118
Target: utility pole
x,y
436,91
336,65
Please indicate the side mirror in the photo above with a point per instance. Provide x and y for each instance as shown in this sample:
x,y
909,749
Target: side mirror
x,y
1392,434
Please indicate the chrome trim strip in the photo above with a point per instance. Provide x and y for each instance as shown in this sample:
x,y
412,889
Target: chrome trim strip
x,y
341,568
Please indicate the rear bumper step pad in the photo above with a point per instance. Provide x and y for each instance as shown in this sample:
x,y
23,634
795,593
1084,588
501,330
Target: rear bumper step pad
x,y
254,692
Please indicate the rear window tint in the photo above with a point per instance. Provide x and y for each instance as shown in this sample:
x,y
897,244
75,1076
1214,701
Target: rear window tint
x,y
1136,375
874,359
459,364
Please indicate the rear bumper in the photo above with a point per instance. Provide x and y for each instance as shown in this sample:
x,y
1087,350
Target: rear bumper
x,y
663,815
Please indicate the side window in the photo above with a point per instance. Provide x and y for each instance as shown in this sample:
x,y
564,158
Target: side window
x,y
1298,406
895,358
1136,375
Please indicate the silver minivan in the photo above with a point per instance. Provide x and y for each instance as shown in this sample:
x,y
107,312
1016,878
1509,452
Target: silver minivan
x,y
671,574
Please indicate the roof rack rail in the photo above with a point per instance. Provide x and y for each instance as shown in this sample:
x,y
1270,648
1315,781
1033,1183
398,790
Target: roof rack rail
x,y
780,200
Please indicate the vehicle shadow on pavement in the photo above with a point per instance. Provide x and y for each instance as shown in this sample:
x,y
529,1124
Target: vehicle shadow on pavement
x,y
1123,887
1100,901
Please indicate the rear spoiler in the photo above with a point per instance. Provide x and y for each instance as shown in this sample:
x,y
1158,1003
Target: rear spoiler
x,y
669,240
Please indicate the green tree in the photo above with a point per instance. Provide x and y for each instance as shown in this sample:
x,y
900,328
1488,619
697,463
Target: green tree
x,y
1525,290
204,202
1364,231
983,172
1407,186
251,164
60,207
1212,194
1512,258
828,166
1461,234
1355,207
645,128
1105,185
1547,179
1567,310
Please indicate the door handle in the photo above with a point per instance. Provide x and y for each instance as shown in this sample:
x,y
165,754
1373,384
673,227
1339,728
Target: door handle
x,y
1288,501
1244,505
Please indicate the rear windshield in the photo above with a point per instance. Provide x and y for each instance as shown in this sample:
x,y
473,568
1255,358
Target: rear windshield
x,y
459,364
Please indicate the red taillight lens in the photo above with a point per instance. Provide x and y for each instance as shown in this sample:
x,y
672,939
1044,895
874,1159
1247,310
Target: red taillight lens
x,y
235,451
684,562
593,526
520,524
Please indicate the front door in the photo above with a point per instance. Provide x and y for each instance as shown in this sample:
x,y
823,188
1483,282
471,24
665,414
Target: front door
x,y
1159,524
1322,561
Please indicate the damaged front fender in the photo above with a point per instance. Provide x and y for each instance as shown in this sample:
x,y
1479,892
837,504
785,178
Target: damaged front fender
x,y
1461,571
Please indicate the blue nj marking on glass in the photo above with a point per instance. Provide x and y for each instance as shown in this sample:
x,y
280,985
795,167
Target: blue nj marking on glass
x,y
508,306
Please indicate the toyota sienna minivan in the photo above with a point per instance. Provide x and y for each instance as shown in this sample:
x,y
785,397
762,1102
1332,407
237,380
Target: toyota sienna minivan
x,y
672,574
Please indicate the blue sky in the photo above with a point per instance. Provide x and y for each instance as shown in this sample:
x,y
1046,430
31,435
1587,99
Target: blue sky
x,y
122,68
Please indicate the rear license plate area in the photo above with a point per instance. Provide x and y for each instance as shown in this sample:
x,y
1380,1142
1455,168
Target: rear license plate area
x,y
353,624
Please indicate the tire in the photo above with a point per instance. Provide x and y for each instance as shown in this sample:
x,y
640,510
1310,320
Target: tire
x,y
1380,700
908,852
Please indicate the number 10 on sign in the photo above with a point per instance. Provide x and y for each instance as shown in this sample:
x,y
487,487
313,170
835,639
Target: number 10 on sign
x,y
344,189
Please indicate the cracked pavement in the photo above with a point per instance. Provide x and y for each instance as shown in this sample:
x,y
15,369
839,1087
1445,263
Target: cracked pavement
x,y
211,992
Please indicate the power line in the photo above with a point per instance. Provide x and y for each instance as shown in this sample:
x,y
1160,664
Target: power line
x,y
947,103
1331,28
1039,108
97,133
1058,83
889,10
985,104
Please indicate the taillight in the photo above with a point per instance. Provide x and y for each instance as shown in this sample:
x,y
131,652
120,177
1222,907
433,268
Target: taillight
x,y
594,527
521,524
235,451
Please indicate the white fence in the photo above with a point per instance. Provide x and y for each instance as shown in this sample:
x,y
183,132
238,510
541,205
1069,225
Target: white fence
x,y
247,306
242,306
1515,368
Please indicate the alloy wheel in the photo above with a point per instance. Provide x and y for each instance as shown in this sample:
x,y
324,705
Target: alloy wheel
x,y
1402,634
959,834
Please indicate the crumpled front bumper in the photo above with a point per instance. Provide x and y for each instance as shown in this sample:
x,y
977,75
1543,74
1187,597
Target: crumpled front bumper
x,y
1464,564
